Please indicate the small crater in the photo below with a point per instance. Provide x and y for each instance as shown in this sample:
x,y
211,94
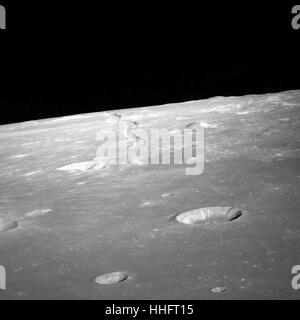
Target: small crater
x,y
167,195
86,166
146,204
192,125
219,289
209,215
112,278
7,225
199,124
37,213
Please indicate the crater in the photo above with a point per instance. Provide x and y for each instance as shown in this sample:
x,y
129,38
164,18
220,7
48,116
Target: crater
x,y
219,289
209,215
112,278
7,225
192,125
167,195
37,213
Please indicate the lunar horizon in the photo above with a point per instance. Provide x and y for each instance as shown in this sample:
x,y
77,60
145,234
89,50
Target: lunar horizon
x,y
72,229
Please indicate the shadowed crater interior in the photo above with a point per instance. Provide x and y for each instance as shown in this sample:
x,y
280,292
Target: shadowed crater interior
x,y
7,225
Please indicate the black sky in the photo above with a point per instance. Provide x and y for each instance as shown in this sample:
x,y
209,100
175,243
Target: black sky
x,y
88,56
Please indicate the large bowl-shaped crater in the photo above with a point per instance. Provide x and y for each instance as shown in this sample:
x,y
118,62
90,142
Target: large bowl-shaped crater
x,y
209,215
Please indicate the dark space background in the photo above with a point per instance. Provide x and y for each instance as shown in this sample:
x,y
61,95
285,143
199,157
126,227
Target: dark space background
x,y
61,59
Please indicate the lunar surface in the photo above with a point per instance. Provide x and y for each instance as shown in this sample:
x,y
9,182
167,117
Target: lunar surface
x,y
70,221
